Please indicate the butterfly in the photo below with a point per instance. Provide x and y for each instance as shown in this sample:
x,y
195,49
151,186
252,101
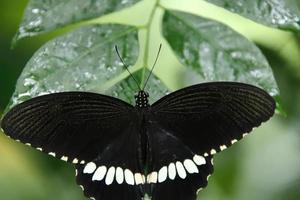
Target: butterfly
x,y
123,151
120,151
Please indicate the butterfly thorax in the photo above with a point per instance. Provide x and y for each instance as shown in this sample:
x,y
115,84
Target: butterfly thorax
x,y
141,99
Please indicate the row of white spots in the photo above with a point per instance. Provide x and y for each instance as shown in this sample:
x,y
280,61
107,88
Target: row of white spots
x,y
222,147
64,158
121,176
113,173
178,168
152,177
189,166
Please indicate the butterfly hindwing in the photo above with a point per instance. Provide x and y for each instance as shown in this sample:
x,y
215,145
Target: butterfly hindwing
x,y
115,173
210,117
98,190
73,126
175,171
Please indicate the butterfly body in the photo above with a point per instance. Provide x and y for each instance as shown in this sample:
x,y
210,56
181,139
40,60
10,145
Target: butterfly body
x,y
124,152
141,99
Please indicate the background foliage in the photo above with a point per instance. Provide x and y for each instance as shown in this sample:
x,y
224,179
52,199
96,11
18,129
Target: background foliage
x,y
264,166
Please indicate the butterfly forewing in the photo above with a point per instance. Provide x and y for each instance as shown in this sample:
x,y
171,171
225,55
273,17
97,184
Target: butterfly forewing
x,y
210,117
73,126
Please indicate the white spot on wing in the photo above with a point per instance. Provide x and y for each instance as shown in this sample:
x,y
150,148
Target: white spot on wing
x,y
52,154
82,162
75,161
245,134
180,169
119,175
213,151
89,168
199,160
152,177
110,176
99,173
207,178
172,171
199,190
64,158
162,174
233,141
129,178
40,149
190,166
82,188
138,179
223,147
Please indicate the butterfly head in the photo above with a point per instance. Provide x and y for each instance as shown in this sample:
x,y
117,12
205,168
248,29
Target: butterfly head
x,y
141,99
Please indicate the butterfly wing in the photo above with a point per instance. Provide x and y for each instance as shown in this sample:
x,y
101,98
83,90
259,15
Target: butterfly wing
x,y
115,173
96,132
210,117
73,126
176,172
194,123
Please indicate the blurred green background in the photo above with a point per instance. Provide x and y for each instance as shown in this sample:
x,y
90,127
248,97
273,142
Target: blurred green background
x,y
264,166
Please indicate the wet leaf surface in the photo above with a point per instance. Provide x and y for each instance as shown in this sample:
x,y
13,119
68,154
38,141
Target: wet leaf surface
x,y
46,15
211,51
284,14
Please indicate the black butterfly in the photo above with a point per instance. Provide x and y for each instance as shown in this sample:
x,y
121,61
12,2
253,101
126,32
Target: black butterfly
x,y
124,152
129,152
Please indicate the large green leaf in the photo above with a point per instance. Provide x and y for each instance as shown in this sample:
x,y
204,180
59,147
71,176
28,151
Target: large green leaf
x,y
283,14
46,15
85,60
213,52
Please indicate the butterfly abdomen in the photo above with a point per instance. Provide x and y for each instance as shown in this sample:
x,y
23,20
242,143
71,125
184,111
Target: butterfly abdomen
x,y
143,142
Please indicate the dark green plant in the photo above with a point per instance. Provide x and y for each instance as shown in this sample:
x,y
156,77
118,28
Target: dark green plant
x,y
83,58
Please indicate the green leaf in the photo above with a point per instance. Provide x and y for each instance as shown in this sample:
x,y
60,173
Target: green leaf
x,y
211,51
284,14
43,16
125,89
85,60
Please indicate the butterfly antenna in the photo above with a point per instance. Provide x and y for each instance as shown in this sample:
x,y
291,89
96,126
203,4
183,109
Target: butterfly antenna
x,y
157,56
126,67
